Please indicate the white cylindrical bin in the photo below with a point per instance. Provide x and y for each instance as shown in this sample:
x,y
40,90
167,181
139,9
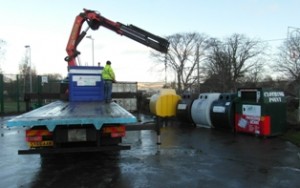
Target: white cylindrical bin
x,y
201,109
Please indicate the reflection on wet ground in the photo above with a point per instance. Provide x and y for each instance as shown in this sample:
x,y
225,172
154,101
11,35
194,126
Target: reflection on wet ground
x,y
188,157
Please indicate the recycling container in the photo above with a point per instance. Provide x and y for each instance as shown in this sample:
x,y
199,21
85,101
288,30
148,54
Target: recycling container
x,y
85,83
201,109
260,111
222,111
183,108
164,103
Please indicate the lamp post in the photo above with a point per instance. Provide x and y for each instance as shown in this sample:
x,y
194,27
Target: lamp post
x,y
30,74
90,37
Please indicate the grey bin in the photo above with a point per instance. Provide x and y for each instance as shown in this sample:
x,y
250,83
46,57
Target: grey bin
x,y
222,112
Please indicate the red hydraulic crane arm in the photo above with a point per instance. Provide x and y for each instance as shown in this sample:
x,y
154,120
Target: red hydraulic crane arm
x,y
95,20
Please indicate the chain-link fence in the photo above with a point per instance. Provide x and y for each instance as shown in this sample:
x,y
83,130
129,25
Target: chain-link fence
x,y
21,93
14,88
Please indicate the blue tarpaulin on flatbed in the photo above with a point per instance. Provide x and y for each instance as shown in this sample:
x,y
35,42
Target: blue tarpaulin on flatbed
x,y
74,113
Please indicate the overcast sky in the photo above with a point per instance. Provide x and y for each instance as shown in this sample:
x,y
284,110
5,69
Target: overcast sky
x,y
45,25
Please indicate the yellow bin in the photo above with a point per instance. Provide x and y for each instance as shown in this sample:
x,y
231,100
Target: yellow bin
x,y
164,103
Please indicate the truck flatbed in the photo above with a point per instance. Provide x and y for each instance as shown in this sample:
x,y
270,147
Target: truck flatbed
x,y
74,113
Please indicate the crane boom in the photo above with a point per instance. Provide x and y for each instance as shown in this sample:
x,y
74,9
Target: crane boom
x,y
95,20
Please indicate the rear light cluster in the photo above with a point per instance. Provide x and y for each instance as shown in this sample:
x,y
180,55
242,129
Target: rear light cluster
x,y
38,135
115,131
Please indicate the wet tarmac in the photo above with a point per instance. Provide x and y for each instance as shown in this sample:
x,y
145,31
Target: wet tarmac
x,y
188,157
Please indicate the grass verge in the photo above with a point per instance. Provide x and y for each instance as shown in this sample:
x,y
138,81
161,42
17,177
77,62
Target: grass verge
x,y
292,136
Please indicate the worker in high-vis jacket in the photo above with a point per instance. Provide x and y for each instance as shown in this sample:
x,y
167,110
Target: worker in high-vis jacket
x,y
108,77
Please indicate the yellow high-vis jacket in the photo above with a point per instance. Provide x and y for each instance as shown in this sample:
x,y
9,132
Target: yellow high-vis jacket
x,y
108,73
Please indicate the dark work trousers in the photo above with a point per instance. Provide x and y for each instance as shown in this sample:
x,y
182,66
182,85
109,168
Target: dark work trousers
x,y
107,90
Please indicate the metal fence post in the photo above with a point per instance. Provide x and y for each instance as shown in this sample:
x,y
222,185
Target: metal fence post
x,y
18,94
1,94
39,90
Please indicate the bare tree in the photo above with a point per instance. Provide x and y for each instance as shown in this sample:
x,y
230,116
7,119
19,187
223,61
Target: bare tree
x,y
255,74
185,52
24,71
287,60
54,76
218,67
230,61
24,67
2,51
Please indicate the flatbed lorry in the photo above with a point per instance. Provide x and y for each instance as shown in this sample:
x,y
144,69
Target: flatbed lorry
x,y
84,122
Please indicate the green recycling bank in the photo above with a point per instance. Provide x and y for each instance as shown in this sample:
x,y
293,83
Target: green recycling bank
x,y
260,111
